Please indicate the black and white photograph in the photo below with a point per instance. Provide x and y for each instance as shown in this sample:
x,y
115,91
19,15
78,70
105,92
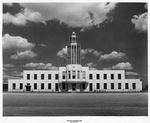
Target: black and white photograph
x,y
74,59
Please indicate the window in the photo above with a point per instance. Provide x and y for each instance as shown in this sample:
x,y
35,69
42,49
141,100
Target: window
x,y
56,86
56,76
73,74
119,76
63,86
28,83
133,86
42,86
90,76
97,76
78,75
28,76
63,74
98,85
112,85
42,76
126,86
21,85
69,76
91,87
105,85
14,85
119,85
35,76
112,76
83,85
49,85
105,76
49,76
83,74
35,85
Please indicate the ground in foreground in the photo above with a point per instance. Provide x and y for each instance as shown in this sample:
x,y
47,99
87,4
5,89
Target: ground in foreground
x,y
75,104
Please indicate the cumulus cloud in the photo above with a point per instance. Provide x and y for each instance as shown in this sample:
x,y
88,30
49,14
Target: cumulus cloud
x,y
120,66
140,21
73,14
42,66
62,53
92,65
16,43
17,74
24,55
89,51
21,18
132,73
113,56
9,65
42,45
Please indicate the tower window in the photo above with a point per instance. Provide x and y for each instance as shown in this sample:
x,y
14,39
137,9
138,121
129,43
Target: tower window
x,y
73,74
69,76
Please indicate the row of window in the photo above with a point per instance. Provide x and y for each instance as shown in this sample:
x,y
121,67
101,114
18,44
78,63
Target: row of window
x,y
42,76
104,76
73,76
35,86
83,86
112,86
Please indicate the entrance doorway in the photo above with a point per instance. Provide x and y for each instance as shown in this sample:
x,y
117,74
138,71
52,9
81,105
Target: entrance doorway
x,y
73,87
28,88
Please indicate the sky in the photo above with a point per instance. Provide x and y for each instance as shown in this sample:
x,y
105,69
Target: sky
x,y
113,36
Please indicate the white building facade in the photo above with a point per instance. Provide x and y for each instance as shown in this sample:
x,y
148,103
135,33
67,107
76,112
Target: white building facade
x,y
74,77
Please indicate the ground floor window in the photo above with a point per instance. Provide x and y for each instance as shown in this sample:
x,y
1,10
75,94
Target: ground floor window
x,y
105,85
133,86
91,87
49,85
35,85
21,85
119,85
63,86
56,86
112,85
14,85
83,85
126,86
42,86
98,85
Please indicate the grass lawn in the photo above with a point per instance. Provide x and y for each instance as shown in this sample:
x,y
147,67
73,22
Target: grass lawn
x,y
75,104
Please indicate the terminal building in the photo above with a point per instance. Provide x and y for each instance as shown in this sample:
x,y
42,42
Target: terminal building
x,y
74,77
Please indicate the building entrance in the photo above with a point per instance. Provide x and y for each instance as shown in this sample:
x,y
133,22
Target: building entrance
x,y
73,87
28,87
